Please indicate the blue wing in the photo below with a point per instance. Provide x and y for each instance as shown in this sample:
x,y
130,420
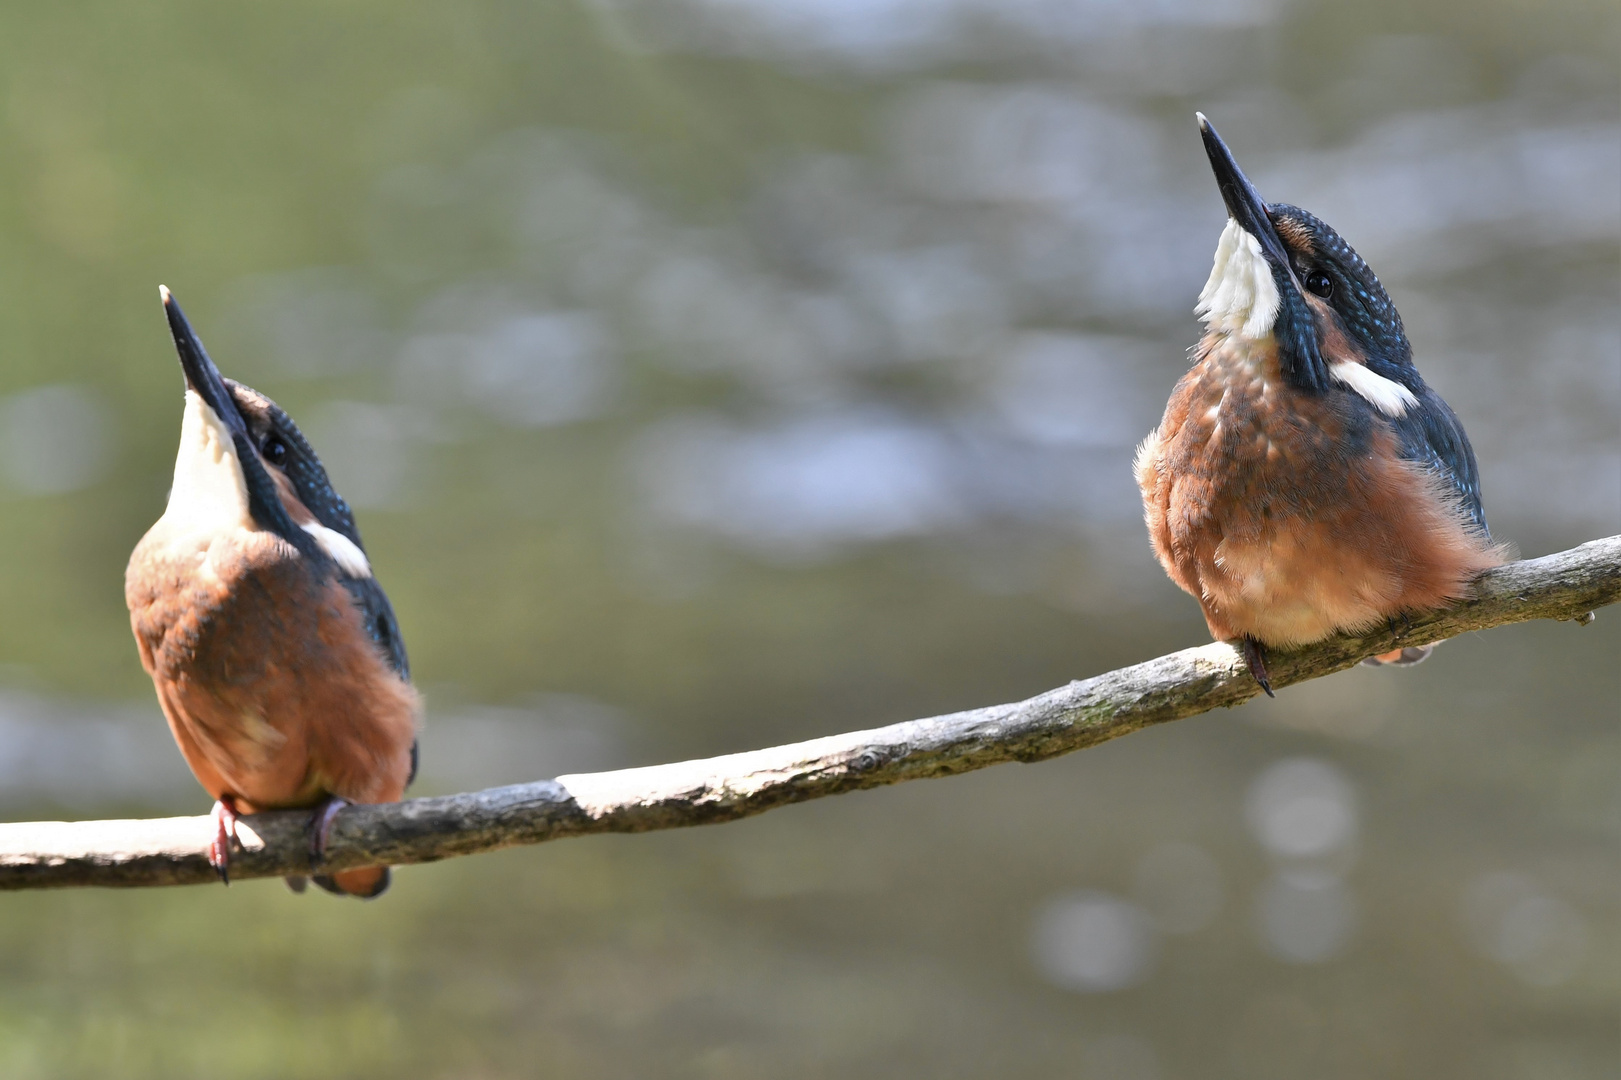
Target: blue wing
x,y
378,615
1432,435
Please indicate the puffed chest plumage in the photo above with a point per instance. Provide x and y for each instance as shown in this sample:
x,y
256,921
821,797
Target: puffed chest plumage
x,y
215,608
1291,515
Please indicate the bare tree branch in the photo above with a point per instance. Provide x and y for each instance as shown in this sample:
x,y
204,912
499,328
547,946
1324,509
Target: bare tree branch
x,y
169,851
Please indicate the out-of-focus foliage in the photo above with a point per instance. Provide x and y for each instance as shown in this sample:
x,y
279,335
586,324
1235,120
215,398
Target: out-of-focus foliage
x,y
712,373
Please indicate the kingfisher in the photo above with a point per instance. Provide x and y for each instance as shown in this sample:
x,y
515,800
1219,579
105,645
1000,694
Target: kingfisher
x,y
276,655
1305,480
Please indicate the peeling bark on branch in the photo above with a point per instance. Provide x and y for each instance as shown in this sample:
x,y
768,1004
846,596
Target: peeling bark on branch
x,y
169,851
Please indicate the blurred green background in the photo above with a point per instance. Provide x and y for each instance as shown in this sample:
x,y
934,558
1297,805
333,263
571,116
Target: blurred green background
x,y
708,374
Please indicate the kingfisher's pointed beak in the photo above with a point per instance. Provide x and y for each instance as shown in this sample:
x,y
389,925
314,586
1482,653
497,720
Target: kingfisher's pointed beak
x,y
201,374
1244,203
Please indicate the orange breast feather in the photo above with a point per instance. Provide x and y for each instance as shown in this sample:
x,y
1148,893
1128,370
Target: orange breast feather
x,y
274,691
1289,524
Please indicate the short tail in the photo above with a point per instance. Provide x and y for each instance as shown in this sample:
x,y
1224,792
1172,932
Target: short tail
x,y
1401,657
367,883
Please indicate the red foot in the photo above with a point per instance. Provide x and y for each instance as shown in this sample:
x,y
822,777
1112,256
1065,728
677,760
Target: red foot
x,y
219,849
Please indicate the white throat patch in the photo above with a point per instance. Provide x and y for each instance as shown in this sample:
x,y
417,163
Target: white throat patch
x,y
1386,395
209,493
1240,299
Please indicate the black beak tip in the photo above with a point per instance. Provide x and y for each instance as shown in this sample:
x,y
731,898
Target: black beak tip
x,y
201,374
1221,158
1244,203
179,327
178,324
1215,147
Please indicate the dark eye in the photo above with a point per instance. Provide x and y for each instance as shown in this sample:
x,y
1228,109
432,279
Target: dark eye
x,y
1320,283
275,450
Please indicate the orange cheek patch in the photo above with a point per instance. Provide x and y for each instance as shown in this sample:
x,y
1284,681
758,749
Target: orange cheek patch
x,y
1295,236
1336,347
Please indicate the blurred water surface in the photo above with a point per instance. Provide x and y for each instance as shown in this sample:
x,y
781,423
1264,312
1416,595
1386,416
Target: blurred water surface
x,y
713,373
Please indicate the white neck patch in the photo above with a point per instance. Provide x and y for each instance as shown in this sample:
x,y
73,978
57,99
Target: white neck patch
x,y
1386,395
344,551
209,493
1240,299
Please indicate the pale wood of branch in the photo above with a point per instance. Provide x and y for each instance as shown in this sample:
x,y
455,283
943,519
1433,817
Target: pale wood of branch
x,y
169,851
